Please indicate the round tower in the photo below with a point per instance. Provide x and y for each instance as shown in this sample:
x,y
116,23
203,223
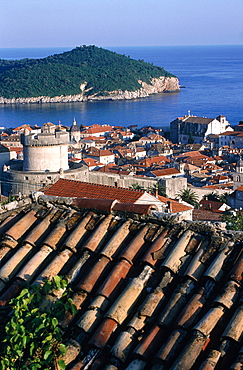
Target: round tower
x,y
47,151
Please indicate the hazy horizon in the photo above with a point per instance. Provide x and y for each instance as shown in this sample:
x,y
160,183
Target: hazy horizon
x,y
52,23
115,46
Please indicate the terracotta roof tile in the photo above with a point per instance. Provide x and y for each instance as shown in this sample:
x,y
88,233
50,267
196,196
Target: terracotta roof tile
x,y
204,215
150,293
18,229
166,172
119,272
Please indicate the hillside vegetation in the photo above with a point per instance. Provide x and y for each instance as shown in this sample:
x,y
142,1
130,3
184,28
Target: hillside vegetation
x,y
62,74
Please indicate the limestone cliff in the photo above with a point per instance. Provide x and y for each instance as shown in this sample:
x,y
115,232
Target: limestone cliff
x,y
158,85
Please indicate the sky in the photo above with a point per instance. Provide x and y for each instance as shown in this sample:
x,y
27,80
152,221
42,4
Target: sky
x,y
64,23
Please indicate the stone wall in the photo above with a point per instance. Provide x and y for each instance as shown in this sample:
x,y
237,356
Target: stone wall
x,y
46,139
173,186
15,182
117,180
204,191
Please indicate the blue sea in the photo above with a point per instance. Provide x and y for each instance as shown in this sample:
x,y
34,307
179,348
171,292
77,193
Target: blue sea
x,y
211,76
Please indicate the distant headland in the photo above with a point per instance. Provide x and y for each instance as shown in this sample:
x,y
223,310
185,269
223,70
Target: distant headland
x,y
82,74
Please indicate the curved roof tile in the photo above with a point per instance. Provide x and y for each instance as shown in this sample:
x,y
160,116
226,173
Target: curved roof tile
x,y
150,293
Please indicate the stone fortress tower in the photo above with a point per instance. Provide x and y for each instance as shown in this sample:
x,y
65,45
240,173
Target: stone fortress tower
x,y
45,161
47,151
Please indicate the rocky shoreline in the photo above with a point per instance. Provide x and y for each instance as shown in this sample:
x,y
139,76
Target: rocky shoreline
x,y
158,85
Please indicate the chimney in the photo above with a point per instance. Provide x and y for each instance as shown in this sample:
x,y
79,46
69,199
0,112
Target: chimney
x,y
169,206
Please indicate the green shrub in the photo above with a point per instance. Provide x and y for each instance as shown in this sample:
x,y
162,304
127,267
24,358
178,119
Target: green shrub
x,y
32,339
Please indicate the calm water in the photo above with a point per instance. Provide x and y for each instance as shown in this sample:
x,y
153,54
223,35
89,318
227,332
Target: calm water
x,y
212,77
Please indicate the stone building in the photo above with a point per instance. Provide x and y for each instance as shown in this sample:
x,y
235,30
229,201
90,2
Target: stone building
x,y
75,132
47,151
184,129
45,160
238,174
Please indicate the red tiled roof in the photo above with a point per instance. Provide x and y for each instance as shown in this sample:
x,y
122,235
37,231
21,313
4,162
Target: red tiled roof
x,y
150,294
205,215
95,129
140,150
91,162
100,152
174,205
74,159
94,138
23,127
79,189
18,149
195,155
165,172
114,169
213,205
230,133
156,159
240,188
179,207
219,186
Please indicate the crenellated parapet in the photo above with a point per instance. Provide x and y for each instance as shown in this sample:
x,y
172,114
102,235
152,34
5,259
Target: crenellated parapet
x,y
46,139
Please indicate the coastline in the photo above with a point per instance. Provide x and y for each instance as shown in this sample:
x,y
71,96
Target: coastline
x,y
158,85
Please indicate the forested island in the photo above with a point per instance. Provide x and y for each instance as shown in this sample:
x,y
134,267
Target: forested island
x,y
84,73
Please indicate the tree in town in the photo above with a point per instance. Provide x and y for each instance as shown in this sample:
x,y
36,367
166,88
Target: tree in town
x,y
191,139
136,186
211,196
189,196
158,188
234,220
217,197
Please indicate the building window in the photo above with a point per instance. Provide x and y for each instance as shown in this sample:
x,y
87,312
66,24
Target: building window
x,y
26,178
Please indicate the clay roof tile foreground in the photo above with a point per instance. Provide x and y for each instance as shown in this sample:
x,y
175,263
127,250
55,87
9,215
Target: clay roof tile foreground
x,y
151,293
